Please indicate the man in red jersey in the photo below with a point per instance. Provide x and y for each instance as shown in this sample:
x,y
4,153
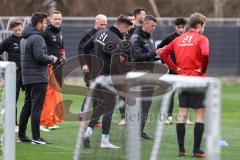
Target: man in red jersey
x,y
191,50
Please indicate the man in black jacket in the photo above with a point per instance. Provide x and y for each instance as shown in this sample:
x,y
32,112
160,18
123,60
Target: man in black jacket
x,y
89,73
180,27
54,41
144,51
34,63
12,46
98,43
100,23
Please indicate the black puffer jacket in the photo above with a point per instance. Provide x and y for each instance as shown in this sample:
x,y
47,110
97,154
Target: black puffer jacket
x,y
34,57
143,46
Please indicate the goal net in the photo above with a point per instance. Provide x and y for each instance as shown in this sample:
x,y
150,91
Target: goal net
x,y
7,110
164,85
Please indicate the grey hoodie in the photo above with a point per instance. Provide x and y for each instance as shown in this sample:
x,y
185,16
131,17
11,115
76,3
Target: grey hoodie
x,y
34,57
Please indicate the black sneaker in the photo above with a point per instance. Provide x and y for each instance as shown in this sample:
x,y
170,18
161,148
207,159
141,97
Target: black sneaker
x,y
24,139
145,136
86,141
39,141
199,154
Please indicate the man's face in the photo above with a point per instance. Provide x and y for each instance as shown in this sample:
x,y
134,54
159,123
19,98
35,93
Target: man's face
x,y
42,26
149,26
200,28
180,29
141,16
131,18
56,20
17,30
125,29
100,24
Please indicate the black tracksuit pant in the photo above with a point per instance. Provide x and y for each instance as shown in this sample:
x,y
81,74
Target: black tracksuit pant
x,y
34,99
171,104
19,85
105,108
58,74
146,104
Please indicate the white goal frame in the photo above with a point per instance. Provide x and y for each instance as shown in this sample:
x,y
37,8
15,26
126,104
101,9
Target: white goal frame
x,y
8,110
213,110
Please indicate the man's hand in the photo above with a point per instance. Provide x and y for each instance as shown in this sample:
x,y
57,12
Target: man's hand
x,y
62,60
85,69
178,70
158,51
54,59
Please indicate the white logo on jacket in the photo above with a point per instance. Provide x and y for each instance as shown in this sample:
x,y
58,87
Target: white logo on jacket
x,y
54,38
102,38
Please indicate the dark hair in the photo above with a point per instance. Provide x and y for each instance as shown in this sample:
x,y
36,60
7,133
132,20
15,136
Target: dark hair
x,y
150,18
38,17
14,23
196,18
54,12
127,14
123,20
137,11
180,21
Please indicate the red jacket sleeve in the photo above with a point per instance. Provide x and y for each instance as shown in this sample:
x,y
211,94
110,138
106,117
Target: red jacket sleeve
x,y
204,46
165,56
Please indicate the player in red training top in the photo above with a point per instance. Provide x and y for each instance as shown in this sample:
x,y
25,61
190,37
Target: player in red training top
x,y
191,50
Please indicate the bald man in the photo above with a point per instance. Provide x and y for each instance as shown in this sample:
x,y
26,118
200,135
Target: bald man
x,y
89,73
100,23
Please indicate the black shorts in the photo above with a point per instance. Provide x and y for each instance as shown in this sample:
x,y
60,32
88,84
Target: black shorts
x,y
194,100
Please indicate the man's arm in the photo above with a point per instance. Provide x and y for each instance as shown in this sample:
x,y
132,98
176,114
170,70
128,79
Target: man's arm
x,y
83,40
139,53
3,46
87,47
163,43
204,46
165,55
39,52
168,40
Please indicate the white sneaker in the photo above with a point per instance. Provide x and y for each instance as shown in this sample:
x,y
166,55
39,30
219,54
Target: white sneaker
x,y
44,129
53,127
122,122
108,145
16,128
189,122
168,122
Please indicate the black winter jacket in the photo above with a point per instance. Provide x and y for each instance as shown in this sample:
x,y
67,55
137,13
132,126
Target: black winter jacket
x,y
34,57
99,42
143,46
54,41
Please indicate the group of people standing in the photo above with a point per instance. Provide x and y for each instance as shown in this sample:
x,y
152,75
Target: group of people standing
x,y
36,49
184,53
40,46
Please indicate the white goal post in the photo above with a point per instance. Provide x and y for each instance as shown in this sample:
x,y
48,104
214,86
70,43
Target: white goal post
x,y
168,83
7,109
